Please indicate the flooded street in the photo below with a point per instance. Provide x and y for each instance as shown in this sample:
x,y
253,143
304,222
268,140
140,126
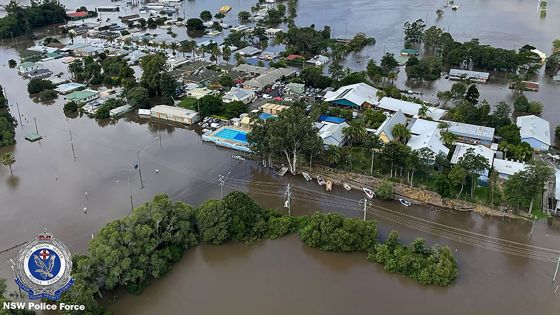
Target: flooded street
x,y
501,269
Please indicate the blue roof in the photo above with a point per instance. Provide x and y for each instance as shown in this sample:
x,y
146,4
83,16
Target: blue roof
x,y
265,116
331,119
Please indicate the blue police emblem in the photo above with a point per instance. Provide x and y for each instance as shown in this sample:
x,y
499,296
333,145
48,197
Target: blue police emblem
x,y
43,268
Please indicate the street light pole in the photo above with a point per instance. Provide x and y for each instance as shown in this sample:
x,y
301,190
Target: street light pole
x,y
139,170
288,198
222,181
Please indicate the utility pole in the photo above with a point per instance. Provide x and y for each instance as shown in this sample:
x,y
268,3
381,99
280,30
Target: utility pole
x,y
288,198
365,202
19,114
12,265
222,179
140,170
556,272
36,129
532,228
130,190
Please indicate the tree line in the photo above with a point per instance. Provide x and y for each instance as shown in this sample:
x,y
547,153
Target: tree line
x,y
132,251
7,122
20,20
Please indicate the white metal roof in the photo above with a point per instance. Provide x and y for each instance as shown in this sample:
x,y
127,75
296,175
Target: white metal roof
x,y
173,110
358,94
422,126
389,123
534,127
469,74
508,167
461,150
431,141
409,108
471,131
331,133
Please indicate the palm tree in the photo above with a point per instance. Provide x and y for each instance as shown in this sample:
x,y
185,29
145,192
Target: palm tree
x,y
163,46
173,47
356,132
400,133
516,82
333,155
443,126
215,51
423,110
448,138
226,53
392,76
72,34
7,160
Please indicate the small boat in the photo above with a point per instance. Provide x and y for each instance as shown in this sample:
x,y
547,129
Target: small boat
x,y
405,202
369,193
238,157
455,7
346,186
321,180
282,171
328,186
306,176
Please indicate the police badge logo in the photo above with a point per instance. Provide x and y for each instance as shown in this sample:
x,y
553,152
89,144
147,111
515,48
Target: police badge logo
x,y
43,268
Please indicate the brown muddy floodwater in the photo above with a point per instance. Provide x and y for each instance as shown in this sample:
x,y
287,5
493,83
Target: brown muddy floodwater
x,y
502,270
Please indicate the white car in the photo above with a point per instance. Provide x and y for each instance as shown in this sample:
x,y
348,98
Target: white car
x,y
267,97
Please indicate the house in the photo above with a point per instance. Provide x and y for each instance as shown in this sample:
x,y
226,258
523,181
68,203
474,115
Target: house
x,y
273,31
463,75
37,74
535,131
69,87
409,108
82,96
385,131
248,51
422,126
462,148
268,55
471,133
199,93
409,52
28,67
293,58
527,86
250,69
77,15
121,110
355,95
273,109
319,60
506,168
86,51
431,140
331,133
239,95
268,78
295,88
175,114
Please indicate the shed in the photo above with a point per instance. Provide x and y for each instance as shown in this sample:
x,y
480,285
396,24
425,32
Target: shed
x,y
506,168
273,109
82,96
535,131
295,88
175,114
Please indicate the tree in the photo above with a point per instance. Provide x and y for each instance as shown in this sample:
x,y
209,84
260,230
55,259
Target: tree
x,y
388,63
458,91
39,85
448,138
194,25
457,176
226,81
214,221
244,16
443,186
557,132
70,107
205,15
472,95
394,155
510,134
332,155
385,190
154,75
356,132
521,104
234,109
401,133
474,165
373,144
210,105
139,97
413,32
8,159
392,76
432,37
428,69
290,135
412,162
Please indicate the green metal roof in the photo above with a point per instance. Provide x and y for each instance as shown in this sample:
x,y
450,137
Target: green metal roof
x,y
80,95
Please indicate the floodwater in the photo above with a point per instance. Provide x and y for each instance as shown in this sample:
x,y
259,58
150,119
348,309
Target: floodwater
x,y
502,269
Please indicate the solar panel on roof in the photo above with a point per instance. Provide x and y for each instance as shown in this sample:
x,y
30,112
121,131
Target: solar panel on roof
x,y
344,93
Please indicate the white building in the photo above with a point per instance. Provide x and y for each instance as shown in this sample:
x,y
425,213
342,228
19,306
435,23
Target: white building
x,y
462,148
239,95
385,131
506,168
319,60
431,141
409,108
331,133
199,93
355,95
535,131
175,114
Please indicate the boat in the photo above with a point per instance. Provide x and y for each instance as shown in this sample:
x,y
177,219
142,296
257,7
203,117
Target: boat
x,y
306,176
321,180
328,185
282,171
405,202
225,9
369,193
238,157
346,186
455,7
